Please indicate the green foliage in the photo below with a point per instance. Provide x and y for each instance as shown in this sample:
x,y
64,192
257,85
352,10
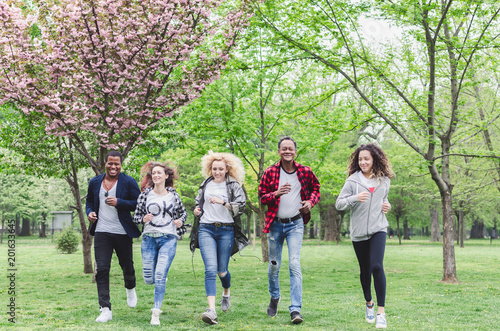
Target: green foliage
x,y
67,241
25,195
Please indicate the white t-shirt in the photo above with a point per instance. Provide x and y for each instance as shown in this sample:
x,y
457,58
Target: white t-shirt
x,y
162,208
289,203
214,212
370,183
108,215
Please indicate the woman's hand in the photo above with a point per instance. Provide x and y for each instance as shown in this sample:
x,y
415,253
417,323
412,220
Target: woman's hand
x,y
216,200
178,223
363,196
147,218
386,206
197,211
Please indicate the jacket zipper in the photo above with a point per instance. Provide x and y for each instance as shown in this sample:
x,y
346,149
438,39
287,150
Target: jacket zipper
x,y
369,211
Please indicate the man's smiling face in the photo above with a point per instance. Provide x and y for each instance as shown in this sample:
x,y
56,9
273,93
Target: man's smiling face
x,y
287,151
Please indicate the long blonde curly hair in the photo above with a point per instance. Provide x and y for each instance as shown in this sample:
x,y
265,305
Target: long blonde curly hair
x,y
233,163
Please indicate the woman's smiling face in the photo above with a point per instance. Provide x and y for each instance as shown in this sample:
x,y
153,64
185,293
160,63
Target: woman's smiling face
x,y
365,161
219,170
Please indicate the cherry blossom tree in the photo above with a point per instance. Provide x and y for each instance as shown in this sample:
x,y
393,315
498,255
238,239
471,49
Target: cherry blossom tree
x,y
104,72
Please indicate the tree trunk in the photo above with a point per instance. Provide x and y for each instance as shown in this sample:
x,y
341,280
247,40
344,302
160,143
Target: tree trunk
x,y
3,230
42,233
435,231
477,229
34,223
43,226
449,266
248,223
254,230
18,224
86,237
330,222
319,232
460,220
398,229
339,224
26,229
263,236
405,229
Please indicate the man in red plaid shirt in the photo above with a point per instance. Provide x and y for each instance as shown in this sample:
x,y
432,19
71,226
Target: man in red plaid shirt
x,y
289,190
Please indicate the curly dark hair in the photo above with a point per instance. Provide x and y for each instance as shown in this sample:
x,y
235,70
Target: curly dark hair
x,y
147,180
381,165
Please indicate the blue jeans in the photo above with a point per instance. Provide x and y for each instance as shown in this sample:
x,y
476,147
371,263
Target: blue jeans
x,y
157,256
216,244
293,233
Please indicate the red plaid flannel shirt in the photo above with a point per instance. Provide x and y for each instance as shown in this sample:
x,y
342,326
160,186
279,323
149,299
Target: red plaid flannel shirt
x,y
309,190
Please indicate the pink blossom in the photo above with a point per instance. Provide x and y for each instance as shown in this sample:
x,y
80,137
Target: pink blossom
x,y
104,74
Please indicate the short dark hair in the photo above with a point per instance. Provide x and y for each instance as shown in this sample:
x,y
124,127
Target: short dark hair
x,y
286,138
114,153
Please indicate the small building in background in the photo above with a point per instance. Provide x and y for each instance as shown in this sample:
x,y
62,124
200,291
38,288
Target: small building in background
x,y
61,220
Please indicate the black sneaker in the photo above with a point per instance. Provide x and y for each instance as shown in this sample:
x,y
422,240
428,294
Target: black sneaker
x,y
272,310
296,317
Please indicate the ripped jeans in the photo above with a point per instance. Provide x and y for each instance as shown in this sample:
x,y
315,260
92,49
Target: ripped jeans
x,y
157,256
293,233
216,244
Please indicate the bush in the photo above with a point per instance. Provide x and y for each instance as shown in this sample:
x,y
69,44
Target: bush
x,y
67,241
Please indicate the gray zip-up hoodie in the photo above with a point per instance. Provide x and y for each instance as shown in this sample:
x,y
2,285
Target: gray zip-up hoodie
x,y
367,217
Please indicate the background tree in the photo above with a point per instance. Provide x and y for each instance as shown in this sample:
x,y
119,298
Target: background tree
x,y
46,156
112,69
421,99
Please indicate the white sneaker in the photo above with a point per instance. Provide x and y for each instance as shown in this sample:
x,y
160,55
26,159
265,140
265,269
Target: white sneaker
x,y
370,314
381,322
106,315
131,298
155,316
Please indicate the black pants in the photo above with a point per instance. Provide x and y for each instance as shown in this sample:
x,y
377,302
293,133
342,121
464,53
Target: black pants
x,y
104,243
370,254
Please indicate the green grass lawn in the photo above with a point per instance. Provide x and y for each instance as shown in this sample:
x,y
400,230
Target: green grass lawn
x,y
52,292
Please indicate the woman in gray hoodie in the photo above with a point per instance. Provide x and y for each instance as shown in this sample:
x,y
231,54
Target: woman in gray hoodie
x,y
365,192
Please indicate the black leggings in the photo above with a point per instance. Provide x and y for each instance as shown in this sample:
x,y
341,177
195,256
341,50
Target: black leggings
x,y
370,254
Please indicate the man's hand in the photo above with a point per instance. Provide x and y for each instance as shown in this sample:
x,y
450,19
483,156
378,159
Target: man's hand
x,y
92,217
283,190
111,201
306,207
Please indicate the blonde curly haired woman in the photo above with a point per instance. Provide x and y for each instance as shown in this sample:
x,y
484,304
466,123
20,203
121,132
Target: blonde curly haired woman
x,y
217,228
